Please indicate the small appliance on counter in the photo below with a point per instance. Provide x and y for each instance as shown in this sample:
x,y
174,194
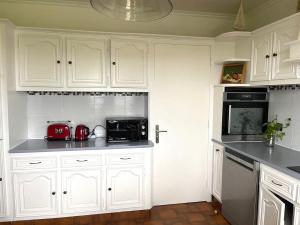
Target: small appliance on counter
x,y
81,133
126,129
59,131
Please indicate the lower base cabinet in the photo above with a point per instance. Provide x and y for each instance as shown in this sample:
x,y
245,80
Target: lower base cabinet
x,y
125,188
82,191
271,209
35,194
2,198
61,185
297,216
217,171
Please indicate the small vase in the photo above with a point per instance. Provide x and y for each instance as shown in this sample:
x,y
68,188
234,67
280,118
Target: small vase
x,y
271,142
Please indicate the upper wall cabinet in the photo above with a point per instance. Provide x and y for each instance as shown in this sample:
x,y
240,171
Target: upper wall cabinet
x,y
261,51
40,60
270,54
50,61
129,60
86,60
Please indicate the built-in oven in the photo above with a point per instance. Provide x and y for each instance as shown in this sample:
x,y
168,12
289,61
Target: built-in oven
x,y
245,110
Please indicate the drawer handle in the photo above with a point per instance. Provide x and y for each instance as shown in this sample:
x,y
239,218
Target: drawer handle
x,y
125,158
280,185
81,161
35,163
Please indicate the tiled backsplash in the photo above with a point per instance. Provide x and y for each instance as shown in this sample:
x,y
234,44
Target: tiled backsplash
x,y
285,104
89,110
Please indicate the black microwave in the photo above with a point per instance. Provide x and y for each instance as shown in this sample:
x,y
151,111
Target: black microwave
x,y
126,129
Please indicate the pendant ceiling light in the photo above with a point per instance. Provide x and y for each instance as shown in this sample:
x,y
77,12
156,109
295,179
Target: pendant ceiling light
x,y
134,10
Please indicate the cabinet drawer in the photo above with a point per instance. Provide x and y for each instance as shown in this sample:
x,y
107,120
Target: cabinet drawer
x,y
34,163
125,158
279,182
81,161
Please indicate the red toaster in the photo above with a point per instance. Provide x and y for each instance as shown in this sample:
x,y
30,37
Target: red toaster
x,y
59,131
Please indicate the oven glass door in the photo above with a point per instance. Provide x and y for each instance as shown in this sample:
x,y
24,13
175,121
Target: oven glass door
x,y
244,118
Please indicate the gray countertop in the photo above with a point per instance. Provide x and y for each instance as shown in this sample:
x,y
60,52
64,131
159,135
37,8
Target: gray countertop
x,y
278,157
41,145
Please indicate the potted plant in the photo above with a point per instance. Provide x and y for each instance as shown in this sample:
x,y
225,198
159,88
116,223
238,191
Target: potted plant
x,y
274,130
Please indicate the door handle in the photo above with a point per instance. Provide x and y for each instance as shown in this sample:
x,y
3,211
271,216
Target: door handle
x,y
157,131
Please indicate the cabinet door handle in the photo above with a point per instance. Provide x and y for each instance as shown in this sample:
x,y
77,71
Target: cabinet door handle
x,y
114,63
70,62
65,192
217,150
280,185
1,179
275,54
85,160
53,193
109,189
267,56
125,158
58,61
35,163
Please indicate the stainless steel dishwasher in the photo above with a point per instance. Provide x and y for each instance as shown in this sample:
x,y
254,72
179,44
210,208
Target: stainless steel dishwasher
x,y
239,188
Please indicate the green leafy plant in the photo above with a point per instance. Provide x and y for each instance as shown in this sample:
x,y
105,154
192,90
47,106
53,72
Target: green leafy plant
x,y
274,129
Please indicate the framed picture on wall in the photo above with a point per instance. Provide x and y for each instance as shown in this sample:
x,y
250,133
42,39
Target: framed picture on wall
x,y
234,73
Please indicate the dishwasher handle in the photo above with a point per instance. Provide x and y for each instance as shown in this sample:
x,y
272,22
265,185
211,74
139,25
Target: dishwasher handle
x,y
240,161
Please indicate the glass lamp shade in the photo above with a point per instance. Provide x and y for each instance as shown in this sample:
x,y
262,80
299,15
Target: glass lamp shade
x,y
134,10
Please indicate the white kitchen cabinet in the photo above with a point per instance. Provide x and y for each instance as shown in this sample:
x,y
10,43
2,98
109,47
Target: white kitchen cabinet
x,y
40,59
281,69
82,191
129,59
125,188
296,216
271,209
86,62
217,171
2,197
35,194
270,52
261,57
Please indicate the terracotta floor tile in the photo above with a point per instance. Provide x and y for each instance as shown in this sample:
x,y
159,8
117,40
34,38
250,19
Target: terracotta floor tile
x,y
195,217
168,214
201,213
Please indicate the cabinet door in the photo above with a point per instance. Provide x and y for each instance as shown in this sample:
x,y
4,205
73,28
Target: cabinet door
x,y
35,194
82,191
217,171
297,216
40,61
282,70
261,57
2,197
125,188
271,209
129,63
86,62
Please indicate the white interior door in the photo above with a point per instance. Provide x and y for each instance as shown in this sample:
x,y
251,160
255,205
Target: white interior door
x,y
179,103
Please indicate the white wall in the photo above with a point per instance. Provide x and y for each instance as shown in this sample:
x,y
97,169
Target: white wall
x,y
89,110
285,104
